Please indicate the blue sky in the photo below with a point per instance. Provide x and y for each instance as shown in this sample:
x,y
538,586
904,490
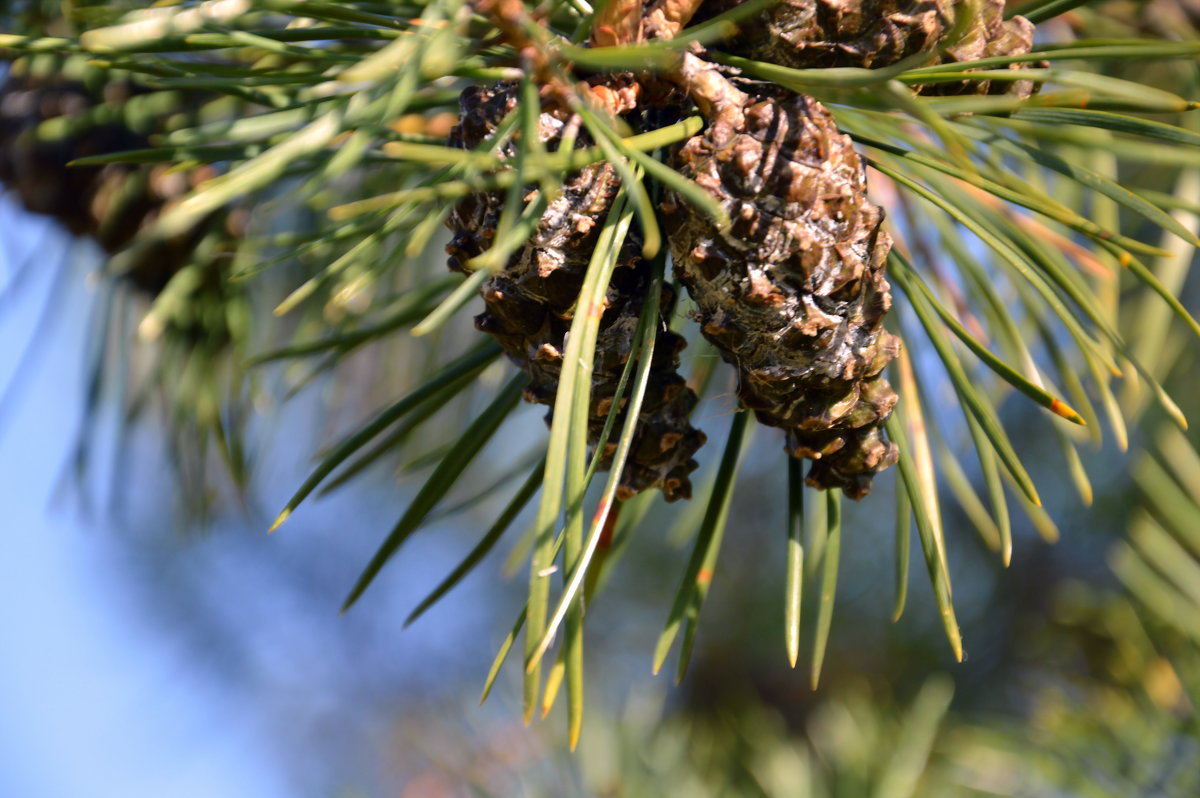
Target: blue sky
x,y
95,702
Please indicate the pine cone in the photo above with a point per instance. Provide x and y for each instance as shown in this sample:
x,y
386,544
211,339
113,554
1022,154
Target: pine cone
x,y
111,204
793,292
815,34
990,35
529,305
36,167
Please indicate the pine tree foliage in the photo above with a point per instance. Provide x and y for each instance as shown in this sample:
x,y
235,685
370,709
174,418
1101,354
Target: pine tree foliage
x,y
987,174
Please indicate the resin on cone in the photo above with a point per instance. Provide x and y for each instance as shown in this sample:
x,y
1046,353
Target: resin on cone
x,y
530,303
793,291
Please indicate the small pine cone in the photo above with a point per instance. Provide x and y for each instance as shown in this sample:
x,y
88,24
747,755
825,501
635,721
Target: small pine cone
x,y
35,167
110,204
989,36
530,303
793,291
816,34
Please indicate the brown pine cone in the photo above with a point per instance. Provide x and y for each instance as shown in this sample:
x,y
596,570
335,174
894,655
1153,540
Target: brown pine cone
x,y
815,34
793,292
990,35
530,303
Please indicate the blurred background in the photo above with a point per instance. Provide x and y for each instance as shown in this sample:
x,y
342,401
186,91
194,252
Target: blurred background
x,y
158,642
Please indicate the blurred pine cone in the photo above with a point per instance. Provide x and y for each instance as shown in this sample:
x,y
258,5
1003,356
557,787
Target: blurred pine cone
x,y
816,34
47,120
793,292
530,303
33,162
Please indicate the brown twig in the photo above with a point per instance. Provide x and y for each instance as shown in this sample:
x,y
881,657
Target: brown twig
x,y
719,100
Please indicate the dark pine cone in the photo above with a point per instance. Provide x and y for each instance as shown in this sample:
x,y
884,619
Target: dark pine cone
x,y
110,204
814,34
530,304
793,292
35,167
